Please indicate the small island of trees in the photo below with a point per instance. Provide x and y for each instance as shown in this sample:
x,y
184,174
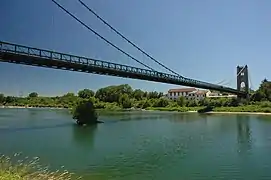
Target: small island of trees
x,y
84,113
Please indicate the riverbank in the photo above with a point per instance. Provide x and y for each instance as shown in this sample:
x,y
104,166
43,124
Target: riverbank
x,y
251,113
249,109
30,107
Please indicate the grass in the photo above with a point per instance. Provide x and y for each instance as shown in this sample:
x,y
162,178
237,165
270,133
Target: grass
x,y
29,169
247,108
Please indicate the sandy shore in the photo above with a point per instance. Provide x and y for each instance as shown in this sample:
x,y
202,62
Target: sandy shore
x,y
219,112
256,113
27,107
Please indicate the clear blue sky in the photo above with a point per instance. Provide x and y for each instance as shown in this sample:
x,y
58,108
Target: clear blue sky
x,y
205,40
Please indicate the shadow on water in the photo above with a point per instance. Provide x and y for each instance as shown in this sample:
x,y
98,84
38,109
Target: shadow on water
x,y
244,139
31,128
187,117
265,118
84,135
149,115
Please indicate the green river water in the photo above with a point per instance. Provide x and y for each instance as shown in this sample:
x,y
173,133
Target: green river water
x,y
143,145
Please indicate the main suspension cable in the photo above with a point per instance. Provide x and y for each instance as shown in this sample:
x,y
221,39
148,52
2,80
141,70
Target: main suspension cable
x,y
133,44
100,36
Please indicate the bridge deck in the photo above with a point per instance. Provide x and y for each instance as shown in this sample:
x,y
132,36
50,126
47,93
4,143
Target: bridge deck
x,y
13,53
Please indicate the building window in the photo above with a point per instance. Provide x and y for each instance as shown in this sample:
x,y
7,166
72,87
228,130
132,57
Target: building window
x,y
174,93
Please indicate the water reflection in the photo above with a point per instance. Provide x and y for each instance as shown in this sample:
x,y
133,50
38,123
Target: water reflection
x,y
149,115
186,117
84,136
266,118
142,148
129,116
243,132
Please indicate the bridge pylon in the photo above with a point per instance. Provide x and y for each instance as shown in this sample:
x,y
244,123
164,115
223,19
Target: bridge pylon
x,y
242,80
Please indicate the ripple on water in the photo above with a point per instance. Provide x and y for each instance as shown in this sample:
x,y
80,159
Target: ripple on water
x,y
144,145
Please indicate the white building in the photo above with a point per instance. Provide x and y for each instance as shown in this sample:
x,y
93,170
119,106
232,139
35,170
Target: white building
x,y
198,95
188,93
220,95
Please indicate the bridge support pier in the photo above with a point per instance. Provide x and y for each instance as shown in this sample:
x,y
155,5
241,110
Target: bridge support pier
x,y
242,80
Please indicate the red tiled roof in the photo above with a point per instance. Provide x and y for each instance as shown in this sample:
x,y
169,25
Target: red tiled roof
x,y
182,90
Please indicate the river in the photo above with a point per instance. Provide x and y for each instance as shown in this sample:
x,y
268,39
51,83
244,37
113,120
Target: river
x,y
143,145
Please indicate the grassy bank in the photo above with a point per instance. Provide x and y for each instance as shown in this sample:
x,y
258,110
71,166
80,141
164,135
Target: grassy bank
x,y
29,169
247,108
114,107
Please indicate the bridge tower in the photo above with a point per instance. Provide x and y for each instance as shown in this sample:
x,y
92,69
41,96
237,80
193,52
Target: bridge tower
x,y
242,79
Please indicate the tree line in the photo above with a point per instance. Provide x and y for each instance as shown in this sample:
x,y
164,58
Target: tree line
x,y
124,96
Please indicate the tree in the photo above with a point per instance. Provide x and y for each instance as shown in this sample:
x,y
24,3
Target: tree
x,y
113,93
138,94
181,101
84,113
33,95
263,93
146,104
68,100
234,102
145,95
160,94
192,103
161,102
154,95
85,93
10,99
125,102
2,98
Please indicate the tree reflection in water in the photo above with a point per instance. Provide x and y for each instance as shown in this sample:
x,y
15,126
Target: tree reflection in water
x,y
84,136
244,139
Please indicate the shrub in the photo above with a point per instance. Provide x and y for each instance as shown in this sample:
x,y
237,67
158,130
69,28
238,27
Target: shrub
x,y
84,113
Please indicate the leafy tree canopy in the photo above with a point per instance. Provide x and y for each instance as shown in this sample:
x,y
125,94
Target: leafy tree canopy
x,y
33,95
2,98
84,113
86,93
264,92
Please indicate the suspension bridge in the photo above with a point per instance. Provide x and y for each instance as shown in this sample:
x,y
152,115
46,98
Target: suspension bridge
x,y
20,54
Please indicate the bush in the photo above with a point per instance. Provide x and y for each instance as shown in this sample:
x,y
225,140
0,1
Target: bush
x,y
84,113
125,101
33,95
161,102
146,104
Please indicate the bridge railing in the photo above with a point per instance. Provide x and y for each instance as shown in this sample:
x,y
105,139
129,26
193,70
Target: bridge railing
x,y
52,55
